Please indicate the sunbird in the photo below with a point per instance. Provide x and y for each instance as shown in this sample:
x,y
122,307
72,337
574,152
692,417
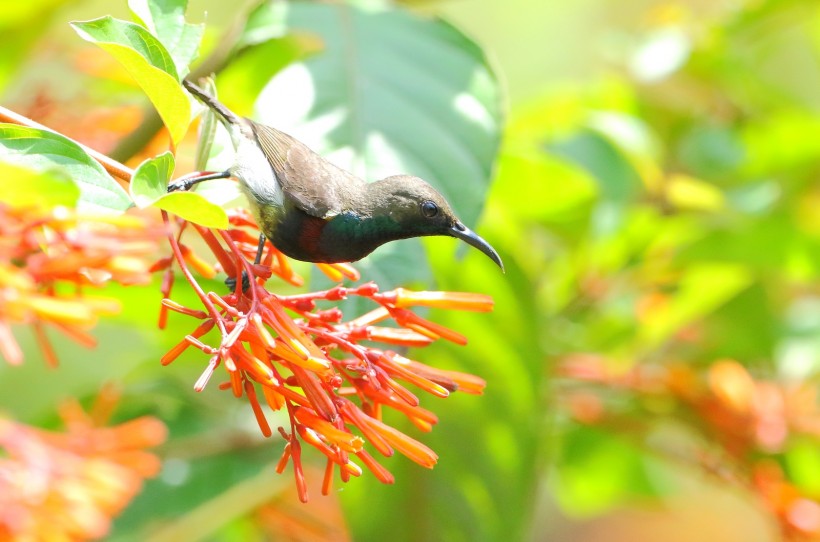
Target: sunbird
x,y
312,210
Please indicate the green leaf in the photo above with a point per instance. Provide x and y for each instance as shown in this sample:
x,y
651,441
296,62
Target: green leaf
x,y
391,92
216,490
524,172
166,20
194,208
803,463
43,150
713,151
207,130
149,189
151,66
25,187
686,192
150,181
247,75
617,179
107,31
598,471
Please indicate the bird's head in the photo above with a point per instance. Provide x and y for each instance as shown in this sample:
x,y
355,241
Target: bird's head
x,y
418,209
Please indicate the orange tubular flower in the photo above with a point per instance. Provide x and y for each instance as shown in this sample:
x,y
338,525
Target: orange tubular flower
x,y
312,363
309,361
444,300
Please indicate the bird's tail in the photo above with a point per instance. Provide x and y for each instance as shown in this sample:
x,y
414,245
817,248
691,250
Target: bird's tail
x,y
211,102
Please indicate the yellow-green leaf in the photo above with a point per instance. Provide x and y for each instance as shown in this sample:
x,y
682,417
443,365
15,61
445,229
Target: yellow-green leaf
x,y
149,189
148,62
194,208
166,20
24,187
150,181
44,150
686,192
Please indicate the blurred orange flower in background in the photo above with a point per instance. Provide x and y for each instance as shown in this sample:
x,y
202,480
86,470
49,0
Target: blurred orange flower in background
x,y
746,422
48,257
65,486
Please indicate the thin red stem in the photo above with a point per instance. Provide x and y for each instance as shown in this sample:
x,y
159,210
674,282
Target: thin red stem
x,y
228,265
190,278
248,270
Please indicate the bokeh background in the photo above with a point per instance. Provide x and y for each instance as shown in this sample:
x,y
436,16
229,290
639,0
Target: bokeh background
x,y
652,361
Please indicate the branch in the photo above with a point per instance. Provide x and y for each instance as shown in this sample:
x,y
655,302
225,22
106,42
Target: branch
x,y
111,166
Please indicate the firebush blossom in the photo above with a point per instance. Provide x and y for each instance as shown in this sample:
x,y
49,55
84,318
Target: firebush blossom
x,y
49,258
284,352
67,486
333,376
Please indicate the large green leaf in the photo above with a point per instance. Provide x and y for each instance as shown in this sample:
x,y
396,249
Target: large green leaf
x,y
166,20
484,485
391,92
44,150
148,62
215,491
149,189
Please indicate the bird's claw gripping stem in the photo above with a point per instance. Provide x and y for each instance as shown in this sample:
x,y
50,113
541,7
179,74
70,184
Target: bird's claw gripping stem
x,y
185,183
230,282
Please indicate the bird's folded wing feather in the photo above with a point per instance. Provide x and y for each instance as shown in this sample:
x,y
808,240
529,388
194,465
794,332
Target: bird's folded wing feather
x,y
315,185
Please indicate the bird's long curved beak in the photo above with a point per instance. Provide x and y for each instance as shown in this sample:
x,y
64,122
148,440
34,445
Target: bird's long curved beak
x,y
470,237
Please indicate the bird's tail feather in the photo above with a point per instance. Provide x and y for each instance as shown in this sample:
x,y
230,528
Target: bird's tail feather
x,y
211,102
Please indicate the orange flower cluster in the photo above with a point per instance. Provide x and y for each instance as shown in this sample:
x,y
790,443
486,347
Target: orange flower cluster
x,y
750,419
68,486
286,353
47,257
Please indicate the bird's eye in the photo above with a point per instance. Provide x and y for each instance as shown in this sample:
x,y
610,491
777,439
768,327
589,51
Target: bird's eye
x,y
429,209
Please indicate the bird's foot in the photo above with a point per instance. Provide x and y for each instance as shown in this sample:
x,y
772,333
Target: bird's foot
x,y
230,282
181,185
185,183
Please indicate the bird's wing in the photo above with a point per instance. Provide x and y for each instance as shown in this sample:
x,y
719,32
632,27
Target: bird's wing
x,y
315,185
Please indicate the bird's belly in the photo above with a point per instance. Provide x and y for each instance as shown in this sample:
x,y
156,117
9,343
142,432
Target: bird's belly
x,y
298,235
304,237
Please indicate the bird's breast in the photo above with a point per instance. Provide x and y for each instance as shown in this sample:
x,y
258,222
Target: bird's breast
x,y
343,238
297,235
255,175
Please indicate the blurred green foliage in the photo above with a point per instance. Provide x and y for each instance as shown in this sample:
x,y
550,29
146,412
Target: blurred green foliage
x,y
655,200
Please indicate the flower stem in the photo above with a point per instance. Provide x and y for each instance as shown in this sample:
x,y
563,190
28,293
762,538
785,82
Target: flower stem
x,y
111,166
